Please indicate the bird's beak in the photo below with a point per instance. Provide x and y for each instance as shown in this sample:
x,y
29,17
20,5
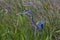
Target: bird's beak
x,y
20,13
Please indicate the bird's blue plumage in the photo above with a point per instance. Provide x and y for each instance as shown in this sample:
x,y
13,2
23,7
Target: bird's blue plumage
x,y
38,24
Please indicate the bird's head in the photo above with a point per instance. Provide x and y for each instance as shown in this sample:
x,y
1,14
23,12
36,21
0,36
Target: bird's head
x,y
26,11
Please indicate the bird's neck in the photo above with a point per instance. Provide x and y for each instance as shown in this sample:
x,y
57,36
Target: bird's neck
x,y
33,22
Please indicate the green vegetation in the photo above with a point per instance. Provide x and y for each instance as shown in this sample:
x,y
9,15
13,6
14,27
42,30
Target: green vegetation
x,y
19,27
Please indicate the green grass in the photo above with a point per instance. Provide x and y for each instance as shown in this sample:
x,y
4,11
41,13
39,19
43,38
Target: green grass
x,y
17,27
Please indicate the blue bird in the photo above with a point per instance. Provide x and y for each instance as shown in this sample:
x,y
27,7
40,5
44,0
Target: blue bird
x,y
39,24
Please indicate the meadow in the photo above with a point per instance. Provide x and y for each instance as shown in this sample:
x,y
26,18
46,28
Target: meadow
x,y
17,26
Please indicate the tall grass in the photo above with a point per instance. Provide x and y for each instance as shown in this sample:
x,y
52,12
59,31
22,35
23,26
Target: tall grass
x,y
17,27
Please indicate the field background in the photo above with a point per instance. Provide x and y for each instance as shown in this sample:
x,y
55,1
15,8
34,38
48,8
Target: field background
x,y
20,27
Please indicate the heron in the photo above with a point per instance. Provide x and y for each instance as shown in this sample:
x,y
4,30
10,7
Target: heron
x,y
38,24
